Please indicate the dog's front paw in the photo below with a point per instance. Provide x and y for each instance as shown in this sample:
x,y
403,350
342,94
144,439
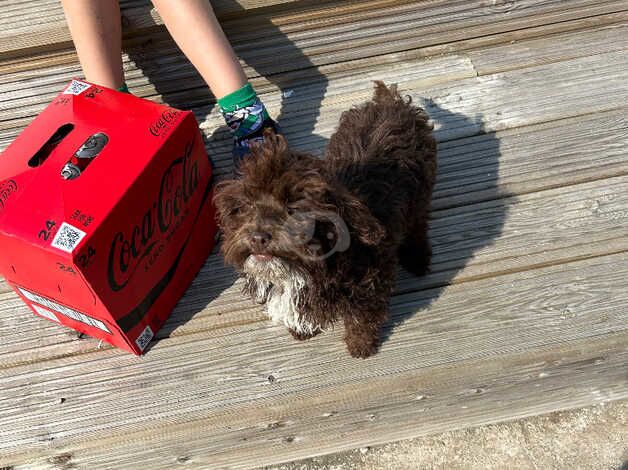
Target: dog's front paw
x,y
362,330
362,347
302,336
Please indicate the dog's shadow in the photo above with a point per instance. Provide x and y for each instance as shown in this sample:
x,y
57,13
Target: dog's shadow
x,y
467,176
468,170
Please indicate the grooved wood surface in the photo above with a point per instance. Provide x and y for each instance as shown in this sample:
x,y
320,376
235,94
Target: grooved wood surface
x,y
524,310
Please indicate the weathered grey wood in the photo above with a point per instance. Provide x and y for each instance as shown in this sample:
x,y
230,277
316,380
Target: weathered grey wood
x,y
44,97
583,148
219,380
523,313
18,110
550,49
296,35
40,25
459,108
462,20
164,51
509,387
561,89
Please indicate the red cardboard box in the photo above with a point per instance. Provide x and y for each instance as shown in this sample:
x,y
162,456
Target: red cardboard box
x,y
110,252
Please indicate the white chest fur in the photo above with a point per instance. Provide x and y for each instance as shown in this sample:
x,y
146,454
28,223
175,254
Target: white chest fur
x,y
282,304
282,294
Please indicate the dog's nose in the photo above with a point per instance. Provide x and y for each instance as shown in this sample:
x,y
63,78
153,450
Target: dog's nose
x,y
260,240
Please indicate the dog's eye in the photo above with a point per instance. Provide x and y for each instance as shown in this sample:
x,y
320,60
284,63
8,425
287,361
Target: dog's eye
x,y
291,210
235,211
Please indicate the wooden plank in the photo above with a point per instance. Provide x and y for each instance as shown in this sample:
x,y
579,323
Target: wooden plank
x,y
533,324
482,104
258,37
516,162
462,19
471,242
282,430
30,31
17,108
554,48
300,66
490,98
459,108
167,53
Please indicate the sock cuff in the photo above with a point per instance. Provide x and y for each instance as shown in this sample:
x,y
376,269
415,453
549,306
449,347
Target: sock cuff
x,y
244,96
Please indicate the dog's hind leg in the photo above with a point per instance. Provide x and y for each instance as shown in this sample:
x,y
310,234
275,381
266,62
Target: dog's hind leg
x,y
415,253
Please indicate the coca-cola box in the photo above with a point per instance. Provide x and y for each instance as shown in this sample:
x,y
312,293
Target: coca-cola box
x,y
105,213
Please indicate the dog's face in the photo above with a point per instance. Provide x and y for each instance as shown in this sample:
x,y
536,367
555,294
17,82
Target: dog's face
x,y
283,215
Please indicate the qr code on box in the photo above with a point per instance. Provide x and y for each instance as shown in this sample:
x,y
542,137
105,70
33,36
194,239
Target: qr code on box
x,y
67,238
76,88
143,339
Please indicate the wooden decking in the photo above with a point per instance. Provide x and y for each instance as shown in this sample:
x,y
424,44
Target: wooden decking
x,y
525,312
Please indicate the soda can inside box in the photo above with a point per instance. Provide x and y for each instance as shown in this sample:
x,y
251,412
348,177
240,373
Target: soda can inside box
x,y
106,213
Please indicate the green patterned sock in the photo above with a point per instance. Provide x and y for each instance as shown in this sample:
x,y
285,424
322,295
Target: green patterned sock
x,y
124,88
243,111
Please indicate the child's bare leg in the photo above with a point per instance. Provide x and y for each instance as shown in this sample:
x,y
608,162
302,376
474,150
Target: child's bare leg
x,y
96,31
194,27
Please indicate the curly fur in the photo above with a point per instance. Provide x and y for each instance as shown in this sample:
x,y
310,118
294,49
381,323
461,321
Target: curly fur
x,y
280,226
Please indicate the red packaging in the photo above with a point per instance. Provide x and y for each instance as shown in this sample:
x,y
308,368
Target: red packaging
x,y
110,252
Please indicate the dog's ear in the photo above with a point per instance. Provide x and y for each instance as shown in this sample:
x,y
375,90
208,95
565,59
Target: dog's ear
x,y
358,217
273,145
266,160
227,198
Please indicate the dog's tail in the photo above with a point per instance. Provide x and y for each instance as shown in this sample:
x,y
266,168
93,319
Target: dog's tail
x,y
388,97
386,94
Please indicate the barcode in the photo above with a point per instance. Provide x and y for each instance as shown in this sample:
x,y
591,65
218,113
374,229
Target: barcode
x,y
45,313
63,310
68,237
76,87
143,339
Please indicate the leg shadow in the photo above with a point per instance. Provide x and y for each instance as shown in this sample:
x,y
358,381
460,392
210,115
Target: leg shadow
x,y
468,169
273,62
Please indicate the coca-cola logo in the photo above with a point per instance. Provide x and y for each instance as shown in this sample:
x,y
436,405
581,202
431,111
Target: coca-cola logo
x,y
145,240
163,124
7,188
